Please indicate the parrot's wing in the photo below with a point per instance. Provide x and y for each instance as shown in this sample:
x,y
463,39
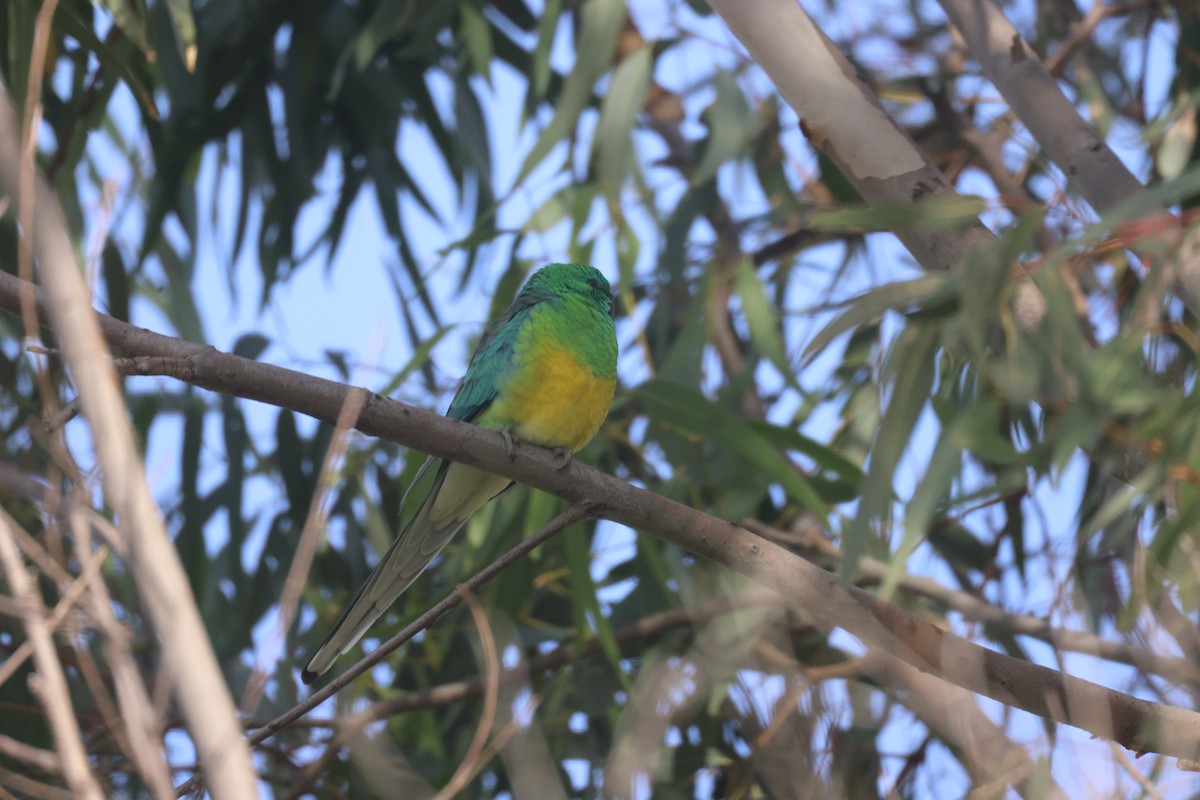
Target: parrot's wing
x,y
490,364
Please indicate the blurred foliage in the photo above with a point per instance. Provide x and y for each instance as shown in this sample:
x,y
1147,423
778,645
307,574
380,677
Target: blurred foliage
x,y
782,362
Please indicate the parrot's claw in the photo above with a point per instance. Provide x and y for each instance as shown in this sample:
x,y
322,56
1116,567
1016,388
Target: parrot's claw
x,y
562,458
511,443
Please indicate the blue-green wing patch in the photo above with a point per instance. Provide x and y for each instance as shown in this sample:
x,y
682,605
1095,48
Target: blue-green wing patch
x,y
492,359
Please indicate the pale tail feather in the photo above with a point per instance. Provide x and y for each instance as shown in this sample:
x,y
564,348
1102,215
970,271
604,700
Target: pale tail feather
x,y
456,495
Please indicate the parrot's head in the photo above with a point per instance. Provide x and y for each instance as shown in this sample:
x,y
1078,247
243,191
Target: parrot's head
x,y
579,281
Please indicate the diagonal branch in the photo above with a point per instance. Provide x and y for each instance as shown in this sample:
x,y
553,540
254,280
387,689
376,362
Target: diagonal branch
x,y
991,759
871,572
1139,725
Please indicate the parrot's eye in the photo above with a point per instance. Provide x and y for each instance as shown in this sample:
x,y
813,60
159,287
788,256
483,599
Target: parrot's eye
x,y
595,284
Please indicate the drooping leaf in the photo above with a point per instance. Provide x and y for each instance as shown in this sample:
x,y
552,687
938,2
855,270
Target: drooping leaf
x,y
600,24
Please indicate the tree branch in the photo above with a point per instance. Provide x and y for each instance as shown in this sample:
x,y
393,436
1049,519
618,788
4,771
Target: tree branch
x,y
843,119
1139,725
991,759
36,757
872,572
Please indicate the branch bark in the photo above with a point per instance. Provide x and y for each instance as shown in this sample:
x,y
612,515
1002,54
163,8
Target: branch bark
x,y
1139,725
991,759
871,572
188,657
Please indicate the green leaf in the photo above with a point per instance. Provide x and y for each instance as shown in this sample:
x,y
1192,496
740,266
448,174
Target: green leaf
x,y
930,493
251,345
935,213
600,25
765,330
958,546
586,606
540,71
977,428
178,302
1148,485
555,209
732,126
420,357
910,365
115,58
618,112
289,456
389,19
825,457
686,408
1175,150
185,30
190,539
236,443
126,16
477,35
116,281
927,289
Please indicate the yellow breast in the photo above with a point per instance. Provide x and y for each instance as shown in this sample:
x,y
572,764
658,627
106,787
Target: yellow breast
x,y
554,401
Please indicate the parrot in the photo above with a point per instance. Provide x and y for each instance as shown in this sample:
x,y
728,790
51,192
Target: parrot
x,y
543,373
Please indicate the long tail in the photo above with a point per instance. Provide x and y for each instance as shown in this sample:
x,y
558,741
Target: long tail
x,y
458,491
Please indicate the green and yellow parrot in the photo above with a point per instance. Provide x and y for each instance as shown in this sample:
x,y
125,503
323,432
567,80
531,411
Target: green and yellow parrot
x,y
543,373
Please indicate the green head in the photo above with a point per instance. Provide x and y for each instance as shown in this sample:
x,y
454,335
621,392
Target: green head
x,y
579,281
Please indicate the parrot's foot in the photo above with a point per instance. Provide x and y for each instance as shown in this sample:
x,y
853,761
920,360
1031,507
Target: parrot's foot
x,y
511,443
562,458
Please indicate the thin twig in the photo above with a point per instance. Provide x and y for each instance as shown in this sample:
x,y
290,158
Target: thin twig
x,y
87,667
645,628
31,788
26,175
472,761
346,729
872,571
58,421
783,709
45,760
505,734
1148,788
144,742
1082,32
37,554
575,513
63,607
981,746
51,684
